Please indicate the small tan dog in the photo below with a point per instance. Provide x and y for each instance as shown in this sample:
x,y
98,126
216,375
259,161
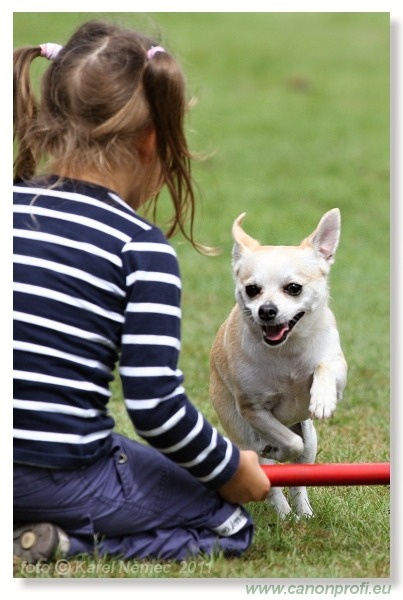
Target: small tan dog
x,y
277,362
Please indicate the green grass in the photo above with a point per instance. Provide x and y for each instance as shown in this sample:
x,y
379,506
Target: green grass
x,y
294,110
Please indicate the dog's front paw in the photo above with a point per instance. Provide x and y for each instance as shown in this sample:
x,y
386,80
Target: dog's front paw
x,y
323,398
321,410
289,450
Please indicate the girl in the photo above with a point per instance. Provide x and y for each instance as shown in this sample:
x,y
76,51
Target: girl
x,y
97,285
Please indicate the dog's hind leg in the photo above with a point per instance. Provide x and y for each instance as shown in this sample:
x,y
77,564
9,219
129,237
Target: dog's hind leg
x,y
276,498
298,494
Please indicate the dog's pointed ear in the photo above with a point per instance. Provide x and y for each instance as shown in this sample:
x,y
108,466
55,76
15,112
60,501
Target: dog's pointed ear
x,y
242,241
325,238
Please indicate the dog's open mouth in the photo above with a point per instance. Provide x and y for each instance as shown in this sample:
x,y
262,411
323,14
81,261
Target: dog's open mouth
x,y
276,334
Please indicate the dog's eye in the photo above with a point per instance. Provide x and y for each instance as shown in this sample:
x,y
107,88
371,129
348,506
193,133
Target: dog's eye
x,y
294,289
252,290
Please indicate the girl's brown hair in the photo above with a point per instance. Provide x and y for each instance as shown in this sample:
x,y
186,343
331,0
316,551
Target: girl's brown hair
x,y
98,97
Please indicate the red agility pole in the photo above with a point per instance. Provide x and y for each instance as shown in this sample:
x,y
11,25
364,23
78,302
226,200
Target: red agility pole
x,y
328,474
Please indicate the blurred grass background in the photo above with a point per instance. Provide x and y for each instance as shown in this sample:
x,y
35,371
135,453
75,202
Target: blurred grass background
x,y
293,113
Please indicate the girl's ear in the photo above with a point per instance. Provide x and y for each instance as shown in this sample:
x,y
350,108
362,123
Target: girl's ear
x,y
147,146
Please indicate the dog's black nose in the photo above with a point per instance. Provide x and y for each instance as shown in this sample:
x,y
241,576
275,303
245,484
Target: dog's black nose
x,y
267,312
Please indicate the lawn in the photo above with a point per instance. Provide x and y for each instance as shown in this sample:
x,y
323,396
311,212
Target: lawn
x,y
293,116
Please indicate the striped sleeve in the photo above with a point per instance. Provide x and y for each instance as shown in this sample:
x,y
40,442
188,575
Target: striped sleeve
x,y
152,383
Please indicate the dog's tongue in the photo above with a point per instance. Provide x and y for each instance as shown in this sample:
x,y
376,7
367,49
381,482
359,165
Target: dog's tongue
x,y
276,332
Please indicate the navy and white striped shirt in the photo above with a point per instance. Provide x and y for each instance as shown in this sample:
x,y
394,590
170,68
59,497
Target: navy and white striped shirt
x,y
96,285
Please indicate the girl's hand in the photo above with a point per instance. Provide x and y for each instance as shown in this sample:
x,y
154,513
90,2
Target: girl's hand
x,y
249,483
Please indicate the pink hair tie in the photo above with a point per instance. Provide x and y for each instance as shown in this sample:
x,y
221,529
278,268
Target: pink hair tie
x,y
50,51
153,50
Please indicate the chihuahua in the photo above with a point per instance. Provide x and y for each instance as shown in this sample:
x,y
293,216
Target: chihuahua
x,y
276,362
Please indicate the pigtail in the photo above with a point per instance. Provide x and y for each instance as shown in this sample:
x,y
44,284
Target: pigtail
x,y
164,87
25,112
